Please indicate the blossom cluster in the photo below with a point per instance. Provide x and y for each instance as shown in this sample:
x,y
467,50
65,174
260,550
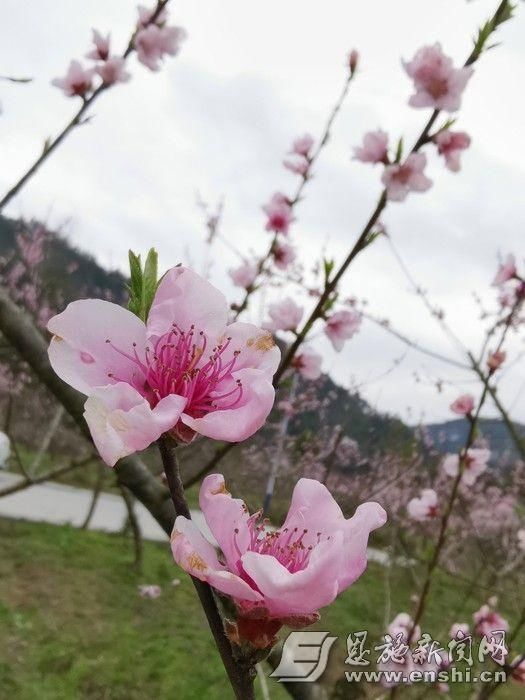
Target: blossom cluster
x,y
438,85
153,40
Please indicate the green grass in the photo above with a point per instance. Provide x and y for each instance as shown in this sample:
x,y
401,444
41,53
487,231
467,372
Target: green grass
x,y
72,624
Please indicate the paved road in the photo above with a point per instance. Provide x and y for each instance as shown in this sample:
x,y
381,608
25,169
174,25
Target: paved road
x,y
58,504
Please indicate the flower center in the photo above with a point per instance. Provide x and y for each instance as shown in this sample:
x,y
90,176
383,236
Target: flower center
x,y
176,363
286,545
437,87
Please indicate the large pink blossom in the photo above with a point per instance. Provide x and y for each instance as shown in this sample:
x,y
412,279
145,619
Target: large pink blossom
x,y
341,326
183,372
463,405
402,178
437,83
285,315
450,144
488,620
308,363
374,148
279,213
283,575
475,463
425,507
77,81
113,71
283,255
506,271
244,275
154,42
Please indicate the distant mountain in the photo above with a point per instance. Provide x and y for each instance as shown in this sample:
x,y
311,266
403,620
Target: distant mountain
x,y
451,435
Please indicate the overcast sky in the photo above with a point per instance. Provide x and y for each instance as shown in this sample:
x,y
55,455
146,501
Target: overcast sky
x,y
219,118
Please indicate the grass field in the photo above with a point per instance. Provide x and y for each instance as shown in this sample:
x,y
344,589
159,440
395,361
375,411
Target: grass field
x,y
72,624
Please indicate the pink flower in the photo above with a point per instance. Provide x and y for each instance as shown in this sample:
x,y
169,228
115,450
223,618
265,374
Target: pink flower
x,y
425,507
353,60
285,315
374,148
402,624
113,71
280,214
506,271
303,145
463,405
101,50
183,372
407,177
308,363
450,144
146,14
496,359
438,84
279,576
244,275
299,166
487,620
475,464
149,591
521,539
154,42
283,255
341,326
460,629
77,81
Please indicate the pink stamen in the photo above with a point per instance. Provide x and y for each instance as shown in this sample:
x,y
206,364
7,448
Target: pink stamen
x,y
171,366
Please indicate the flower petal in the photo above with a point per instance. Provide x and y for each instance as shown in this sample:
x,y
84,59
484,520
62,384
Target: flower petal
x,y
243,420
257,348
227,518
302,592
79,353
186,299
313,508
197,556
121,421
368,517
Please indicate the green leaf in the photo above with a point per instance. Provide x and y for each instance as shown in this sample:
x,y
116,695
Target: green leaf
x,y
143,283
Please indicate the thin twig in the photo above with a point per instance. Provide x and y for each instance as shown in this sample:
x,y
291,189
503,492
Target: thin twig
x,y
76,121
